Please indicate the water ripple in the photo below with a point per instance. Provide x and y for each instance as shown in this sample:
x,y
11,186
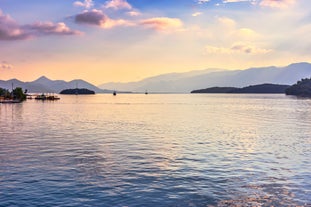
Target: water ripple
x,y
156,150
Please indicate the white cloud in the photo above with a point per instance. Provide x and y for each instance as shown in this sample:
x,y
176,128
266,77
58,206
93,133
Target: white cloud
x,y
227,22
196,14
86,4
134,13
118,4
281,4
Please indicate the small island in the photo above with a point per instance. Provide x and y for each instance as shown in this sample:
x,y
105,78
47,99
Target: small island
x,y
77,91
302,88
16,96
262,88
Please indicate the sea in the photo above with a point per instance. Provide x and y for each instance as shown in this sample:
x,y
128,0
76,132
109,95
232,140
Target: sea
x,y
156,150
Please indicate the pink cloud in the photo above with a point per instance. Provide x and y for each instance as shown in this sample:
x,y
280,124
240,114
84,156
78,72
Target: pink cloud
x,y
277,3
10,30
50,28
87,3
118,4
5,65
134,13
162,23
98,18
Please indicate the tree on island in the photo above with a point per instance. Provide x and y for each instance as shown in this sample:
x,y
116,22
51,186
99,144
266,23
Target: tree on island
x,y
16,96
5,93
301,88
77,91
19,94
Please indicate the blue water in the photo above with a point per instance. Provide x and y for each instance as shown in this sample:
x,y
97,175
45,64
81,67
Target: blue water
x,y
156,150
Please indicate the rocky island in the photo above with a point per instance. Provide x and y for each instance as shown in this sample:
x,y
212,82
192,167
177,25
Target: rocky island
x,y
77,91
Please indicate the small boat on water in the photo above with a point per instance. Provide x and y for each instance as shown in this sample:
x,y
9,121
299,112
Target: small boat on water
x,y
44,97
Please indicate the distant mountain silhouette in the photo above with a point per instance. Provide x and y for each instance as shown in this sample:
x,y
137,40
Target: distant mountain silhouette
x,y
261,88
45,85
186,82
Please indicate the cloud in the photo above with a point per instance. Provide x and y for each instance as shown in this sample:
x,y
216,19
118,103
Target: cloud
x,y
98,18
281,4
227,22
10,30
217,50
86,4
248,48
117,4
5,65
234,1
50,28
203,1
162,23
134,13
240,47
196,14
246,33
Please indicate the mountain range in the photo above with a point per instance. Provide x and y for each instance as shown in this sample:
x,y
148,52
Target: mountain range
x,y
177,82
45,85
186,82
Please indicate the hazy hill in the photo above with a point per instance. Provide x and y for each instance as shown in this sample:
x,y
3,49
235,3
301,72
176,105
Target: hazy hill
x,y
186,82
155,82
45,85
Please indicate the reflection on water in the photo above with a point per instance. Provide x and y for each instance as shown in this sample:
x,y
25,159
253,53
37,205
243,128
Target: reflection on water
x,y
156,150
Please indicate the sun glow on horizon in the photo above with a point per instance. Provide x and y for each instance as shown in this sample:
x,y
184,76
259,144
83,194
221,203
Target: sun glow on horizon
x,y
123,41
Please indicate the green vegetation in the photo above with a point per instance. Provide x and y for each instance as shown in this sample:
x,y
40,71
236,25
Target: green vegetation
x,y
4,93
16,96
77,91
301,88
19,94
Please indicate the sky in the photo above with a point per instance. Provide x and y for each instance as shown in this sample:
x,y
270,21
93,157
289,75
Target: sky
x,y
127,40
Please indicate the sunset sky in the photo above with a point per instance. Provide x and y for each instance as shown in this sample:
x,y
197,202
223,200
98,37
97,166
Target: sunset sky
x,y
118,40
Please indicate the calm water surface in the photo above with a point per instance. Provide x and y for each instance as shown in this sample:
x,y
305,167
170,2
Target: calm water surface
x,y
156,150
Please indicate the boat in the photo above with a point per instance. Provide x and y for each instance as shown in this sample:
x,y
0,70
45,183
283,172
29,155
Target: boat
x,y
44,97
